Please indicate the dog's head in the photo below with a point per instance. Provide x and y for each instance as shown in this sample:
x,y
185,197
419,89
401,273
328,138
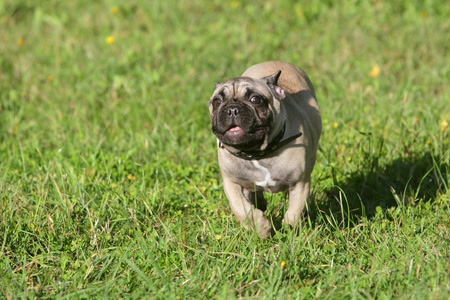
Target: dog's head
x,y
244,111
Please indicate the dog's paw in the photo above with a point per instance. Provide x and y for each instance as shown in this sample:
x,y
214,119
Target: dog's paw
x,y
291,219
263,228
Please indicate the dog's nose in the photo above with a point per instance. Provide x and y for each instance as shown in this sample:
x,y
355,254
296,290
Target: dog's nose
x,y
233,111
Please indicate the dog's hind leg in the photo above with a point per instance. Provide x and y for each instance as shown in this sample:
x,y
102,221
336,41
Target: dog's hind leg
x,y
297,202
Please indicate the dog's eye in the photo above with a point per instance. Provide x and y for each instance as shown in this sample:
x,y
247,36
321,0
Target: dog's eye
x,y
255,100
216,102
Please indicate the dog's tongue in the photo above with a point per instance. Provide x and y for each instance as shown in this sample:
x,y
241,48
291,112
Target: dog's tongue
x,y
233,129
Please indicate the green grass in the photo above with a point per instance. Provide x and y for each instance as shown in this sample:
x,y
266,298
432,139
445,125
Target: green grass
x,y
109,181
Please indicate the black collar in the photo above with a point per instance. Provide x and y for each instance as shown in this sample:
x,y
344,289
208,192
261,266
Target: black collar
x,y
272,147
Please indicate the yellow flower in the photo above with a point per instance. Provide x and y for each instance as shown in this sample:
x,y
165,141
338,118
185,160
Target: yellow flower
x,y
428,142
114,10
20,41
218,236
444,124
50,78
375,71
282,264
110,39
334,124
424,14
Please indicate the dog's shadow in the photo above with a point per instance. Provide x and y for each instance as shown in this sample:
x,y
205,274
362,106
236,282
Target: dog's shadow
x,y
403,182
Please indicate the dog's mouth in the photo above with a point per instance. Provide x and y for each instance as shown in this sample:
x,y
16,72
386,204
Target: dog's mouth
x,y
236,131
241,137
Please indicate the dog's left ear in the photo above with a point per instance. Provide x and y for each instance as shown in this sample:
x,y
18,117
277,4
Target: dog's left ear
x,y
216,84
272,81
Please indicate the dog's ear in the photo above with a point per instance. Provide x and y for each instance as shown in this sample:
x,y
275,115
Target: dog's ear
x,y
272,79
216,84
272,82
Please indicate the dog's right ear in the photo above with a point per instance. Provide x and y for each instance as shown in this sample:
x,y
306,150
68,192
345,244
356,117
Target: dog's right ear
x,y
216,84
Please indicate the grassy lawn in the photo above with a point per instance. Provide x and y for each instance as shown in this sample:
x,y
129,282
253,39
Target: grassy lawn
x,y
109,181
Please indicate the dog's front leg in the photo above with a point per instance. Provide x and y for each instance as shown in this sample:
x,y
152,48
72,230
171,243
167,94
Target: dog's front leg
x,y
240,203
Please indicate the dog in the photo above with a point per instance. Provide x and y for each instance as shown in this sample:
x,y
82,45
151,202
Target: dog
x,y
267,124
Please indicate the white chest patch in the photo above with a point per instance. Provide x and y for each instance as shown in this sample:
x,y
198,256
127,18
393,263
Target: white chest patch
x,y
268,181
